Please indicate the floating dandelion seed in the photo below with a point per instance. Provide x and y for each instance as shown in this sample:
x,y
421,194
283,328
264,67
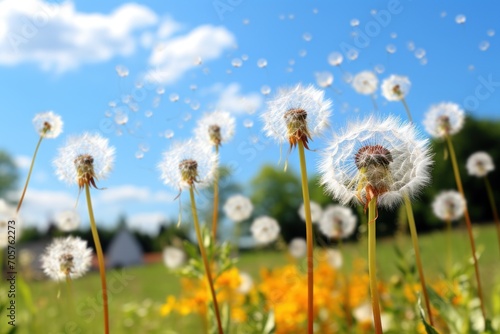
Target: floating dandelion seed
x,y
379,68
395,87
423,61
246,21
420,53
484,45
215,128
390,48
316,212
246,283
265,230
238,208
173,97
480,164
302,53
365,83
193,87
174,257
66,257
410,46
394,35
354,22
335,58
236,62
169,134
160,90
443,119
324,79
248,123
490,32
334,258
195,105
307,37
68,220
148,113
122,71
297,247
460,19
121,117
352,54
139,155
244,57
337,222
48,124
262,62
449,205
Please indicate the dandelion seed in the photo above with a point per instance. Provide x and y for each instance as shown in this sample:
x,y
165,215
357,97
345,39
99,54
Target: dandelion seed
x,y
68,220
238,208
490,32
484,45
335,58
324,79
307,37
237,62
248,123
48,124
443,119
449,205
262,62
316,212
246,283
354,22
302,53
297,247
391,48
215,128
420,53
265,90
334,258
379,68
352,54
173,97
480,164
365,83
265,230
411,46
121,118
395,87
169,134
66,257
173,257
122,71
460,19
337,222
394,35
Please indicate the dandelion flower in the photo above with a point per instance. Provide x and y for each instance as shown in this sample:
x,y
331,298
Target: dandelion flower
x,y
316,212
48,124
68,220
337,222
173,257
383,158
215,128
395,87
297,114
188,163
66,257
7,213
246,283
444,119
238,208
84,159
365,82
297,247
480,164
265,230
449,205
334,258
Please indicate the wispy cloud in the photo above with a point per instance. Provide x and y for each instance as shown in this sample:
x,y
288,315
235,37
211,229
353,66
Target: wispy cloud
x,y
232,99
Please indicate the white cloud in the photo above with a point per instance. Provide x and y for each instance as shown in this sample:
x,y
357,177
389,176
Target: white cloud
x,y
57,37
130,193
22,161
230,98
148,222
40,206
173,57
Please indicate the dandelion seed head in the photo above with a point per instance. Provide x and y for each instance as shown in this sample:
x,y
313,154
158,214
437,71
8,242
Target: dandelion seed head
x,y
449,205
443,119
316,212
174,257
188,163
480,164
385,158
265,230
215,128
338,222
238,208
297,247
48,124
68,256
68,220
395,87
365,83
84,159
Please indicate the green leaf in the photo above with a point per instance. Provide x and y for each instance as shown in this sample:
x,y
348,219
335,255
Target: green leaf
x,y
428,328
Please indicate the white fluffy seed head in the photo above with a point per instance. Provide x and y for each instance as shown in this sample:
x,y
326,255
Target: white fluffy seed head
x,y
395,87
84,158
188,163
173,257
68,256
338,222
365,82
449,205
68,220
480,164
297,247
381,157
48,124
215,128
277,121
8,213
445,118
238,208
334,258
265,230
316,212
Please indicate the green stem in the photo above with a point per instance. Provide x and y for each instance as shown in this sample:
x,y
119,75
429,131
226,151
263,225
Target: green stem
x,y
205,258
216,198
493,206
309,239
458,181
408,113
418,260
372,265
100,259
448,246
29,175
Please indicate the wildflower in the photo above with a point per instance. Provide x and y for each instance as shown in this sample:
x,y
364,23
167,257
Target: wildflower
x,y
186,164
395,87
7,214
215,128
444,119
173,257
297,114
265,230
316,212
480,164
68,220
297,247
84,159
337,222
66,257
48,124
238,208
365,82
449,205
383,158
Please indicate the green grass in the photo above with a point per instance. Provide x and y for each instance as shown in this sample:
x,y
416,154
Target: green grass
x,y
136,293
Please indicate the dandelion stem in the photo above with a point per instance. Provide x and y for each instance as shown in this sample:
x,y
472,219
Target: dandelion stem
x,y
205,259
418,260
408,113
100,259
309,239
372,265
493,205
29,175
448,245
468,223
216,198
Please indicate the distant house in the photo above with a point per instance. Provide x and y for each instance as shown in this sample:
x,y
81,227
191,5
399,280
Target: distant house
x,y
124,251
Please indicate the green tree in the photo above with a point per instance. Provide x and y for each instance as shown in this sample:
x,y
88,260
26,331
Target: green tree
x,y
8,173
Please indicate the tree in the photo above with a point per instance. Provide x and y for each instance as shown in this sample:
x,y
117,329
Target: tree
x,y
8,173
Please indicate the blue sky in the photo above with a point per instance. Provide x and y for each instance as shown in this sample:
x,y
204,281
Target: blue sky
x,y
62,56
